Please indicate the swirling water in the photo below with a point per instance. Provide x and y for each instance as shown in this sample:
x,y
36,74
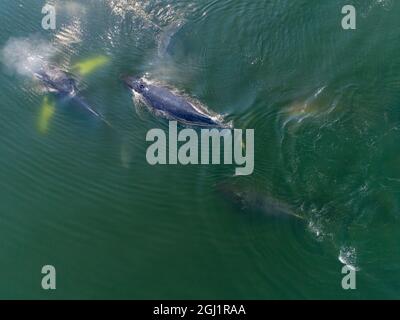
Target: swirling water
x,y
324,106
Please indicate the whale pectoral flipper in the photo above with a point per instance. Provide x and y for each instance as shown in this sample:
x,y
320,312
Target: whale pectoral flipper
x,y
90,65
47,112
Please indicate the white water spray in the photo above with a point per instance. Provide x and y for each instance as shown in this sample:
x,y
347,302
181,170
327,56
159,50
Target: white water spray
x,y
25,56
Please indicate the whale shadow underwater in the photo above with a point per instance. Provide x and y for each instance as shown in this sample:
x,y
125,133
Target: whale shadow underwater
x,y
165,103
257,204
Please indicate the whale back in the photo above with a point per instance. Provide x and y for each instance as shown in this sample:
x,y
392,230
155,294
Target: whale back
x,y
57,81
174,106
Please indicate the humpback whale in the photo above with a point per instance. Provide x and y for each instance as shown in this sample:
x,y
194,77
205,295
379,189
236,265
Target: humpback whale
x,y
170,105
251,200
64,86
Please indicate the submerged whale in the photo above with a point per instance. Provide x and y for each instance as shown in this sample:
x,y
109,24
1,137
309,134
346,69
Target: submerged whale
x,y
63,86
252,200
170,105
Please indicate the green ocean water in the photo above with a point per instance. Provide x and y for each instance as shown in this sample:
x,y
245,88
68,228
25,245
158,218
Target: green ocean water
x,y
325,107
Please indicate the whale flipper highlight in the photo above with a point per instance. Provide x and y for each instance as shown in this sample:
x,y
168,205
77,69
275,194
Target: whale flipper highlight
x,y
88,66
47,112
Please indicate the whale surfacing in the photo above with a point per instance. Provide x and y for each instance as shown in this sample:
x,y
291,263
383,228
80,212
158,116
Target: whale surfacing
x,y
63,85
171,105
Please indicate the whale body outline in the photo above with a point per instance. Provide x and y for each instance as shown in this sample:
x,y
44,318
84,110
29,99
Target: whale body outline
x,y
170,105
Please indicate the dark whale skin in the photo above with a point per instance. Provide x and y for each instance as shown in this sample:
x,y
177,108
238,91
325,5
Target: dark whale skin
x,y
64,86
171,105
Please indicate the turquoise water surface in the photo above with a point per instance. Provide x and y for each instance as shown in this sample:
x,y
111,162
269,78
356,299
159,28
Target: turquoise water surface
x,y
325,106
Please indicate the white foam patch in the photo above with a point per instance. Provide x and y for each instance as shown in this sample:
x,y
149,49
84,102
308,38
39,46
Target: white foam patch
x,y
122,7
316,229
348,256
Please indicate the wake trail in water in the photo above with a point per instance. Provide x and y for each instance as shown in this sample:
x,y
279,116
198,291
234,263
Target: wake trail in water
x,y
164,39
